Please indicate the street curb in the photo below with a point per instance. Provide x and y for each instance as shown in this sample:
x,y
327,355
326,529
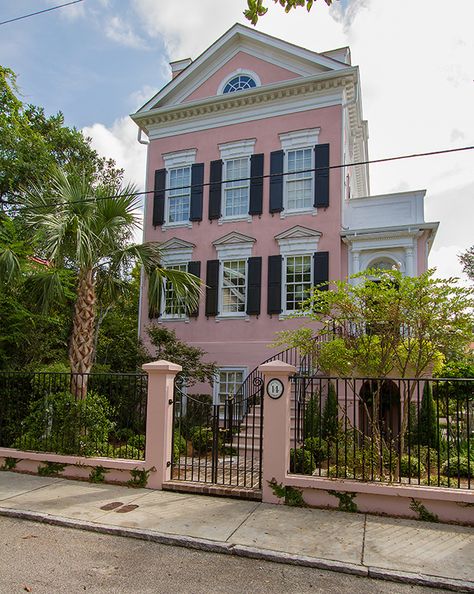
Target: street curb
x,y
203,544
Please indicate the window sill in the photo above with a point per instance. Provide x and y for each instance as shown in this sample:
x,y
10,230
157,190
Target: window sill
x,y
167,319
304,211
187,224
291,315
224,220
236,316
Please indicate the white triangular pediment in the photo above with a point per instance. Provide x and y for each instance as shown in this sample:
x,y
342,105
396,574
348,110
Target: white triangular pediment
x,y
233,238
176,244
298,61
298,232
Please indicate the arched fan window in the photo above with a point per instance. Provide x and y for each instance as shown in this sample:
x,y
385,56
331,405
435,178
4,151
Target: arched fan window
x,y
239,83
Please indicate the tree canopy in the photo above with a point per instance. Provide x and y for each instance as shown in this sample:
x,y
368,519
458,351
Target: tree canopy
x,y
382,322
256,8
467,260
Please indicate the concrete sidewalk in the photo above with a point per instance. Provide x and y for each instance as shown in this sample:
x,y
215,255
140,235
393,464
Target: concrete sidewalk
x,y
437,555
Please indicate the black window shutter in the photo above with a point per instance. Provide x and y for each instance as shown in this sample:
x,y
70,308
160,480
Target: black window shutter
x,y
194,268
159,197
321,177
276,181
254,286
321,269
197,180
274,284
215,189
212,282
256,184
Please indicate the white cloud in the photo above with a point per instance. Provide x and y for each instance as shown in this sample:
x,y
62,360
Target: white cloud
x,y
119,142
446,261
121,32
71,12
142,96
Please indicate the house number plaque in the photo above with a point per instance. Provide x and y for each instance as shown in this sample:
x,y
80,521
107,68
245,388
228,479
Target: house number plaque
x,y
275,388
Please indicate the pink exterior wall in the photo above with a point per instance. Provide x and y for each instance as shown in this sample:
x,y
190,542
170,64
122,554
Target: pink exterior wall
x,y
268,74
422,260
238,342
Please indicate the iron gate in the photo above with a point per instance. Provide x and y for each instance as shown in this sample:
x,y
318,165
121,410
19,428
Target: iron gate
x,y
220,444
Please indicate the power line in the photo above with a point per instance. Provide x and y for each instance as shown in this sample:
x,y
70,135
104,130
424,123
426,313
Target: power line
x,y
25,16
250,178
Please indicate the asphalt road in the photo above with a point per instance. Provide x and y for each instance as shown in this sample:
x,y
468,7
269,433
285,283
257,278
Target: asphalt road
x,y
45,559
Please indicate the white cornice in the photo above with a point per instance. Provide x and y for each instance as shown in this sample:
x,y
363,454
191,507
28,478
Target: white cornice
x,y
294,95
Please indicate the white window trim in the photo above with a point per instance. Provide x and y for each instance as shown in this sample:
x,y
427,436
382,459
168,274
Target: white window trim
x,y
290,141
292,312
236,315
182,255
239,72
177,160
229,151
215,395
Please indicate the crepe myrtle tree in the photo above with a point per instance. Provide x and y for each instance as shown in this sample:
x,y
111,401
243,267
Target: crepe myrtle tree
x,y
88,231
382,323
256,8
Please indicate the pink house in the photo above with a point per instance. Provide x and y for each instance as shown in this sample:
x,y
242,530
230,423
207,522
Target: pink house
x,y
239,142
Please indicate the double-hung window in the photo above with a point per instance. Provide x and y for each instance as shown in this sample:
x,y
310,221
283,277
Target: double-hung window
x,y
235,193
233,287
298,281
299,181
179,194
236,187
173,307
229,383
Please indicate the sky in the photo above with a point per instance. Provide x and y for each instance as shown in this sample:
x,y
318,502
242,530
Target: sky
x,y
99,60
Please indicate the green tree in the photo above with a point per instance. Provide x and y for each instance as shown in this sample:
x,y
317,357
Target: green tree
x,y
383,323
256,8
88,229
427,429
467,260
330,423
167,346
32,145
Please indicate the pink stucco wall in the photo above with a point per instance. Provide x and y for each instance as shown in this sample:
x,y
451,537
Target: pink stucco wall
x,y
267,72
239,342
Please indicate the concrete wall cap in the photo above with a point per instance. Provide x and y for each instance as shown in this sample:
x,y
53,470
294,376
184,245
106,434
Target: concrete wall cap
x,y
161,366
277,367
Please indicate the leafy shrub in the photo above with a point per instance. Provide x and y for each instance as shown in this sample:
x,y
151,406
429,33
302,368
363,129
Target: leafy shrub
x,y
318,448
427,427
202,439
198,413
137,441
301,461
59,423
410,466
462,467
127,452
179,447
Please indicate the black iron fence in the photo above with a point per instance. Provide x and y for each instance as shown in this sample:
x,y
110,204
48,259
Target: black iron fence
x,y
406,431
218,443
97,414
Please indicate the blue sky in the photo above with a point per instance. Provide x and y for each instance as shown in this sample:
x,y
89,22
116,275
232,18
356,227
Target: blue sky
x,y
99,60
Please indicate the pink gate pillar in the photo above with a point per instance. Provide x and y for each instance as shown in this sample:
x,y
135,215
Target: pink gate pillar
x,y
159,420
276,428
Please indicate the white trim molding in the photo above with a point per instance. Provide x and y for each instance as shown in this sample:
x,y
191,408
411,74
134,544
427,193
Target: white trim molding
x,y
176,251
179,158
237,149
299,139
298,240
234,246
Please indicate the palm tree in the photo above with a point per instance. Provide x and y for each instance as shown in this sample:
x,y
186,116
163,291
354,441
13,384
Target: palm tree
x,y
89,230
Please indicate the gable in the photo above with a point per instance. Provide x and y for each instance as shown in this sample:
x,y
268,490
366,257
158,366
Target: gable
x,y
241,47
265,73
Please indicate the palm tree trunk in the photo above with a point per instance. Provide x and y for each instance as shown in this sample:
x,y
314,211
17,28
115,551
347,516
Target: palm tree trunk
x,y
81,351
